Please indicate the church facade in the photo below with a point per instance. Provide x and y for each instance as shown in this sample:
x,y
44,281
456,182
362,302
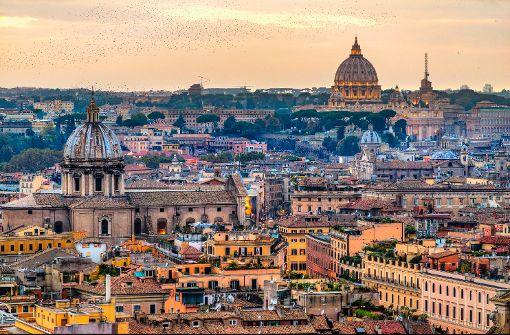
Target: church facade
x,y
94,199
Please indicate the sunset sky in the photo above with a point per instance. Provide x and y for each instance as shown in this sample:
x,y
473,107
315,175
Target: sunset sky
x,y
166,44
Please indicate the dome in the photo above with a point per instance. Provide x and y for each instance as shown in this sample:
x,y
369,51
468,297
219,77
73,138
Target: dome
x,y
443,155
92,141
356,68
370,137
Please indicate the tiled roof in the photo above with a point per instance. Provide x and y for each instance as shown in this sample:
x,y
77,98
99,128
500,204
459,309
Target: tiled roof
x,y
43,257
190,251
166,198
138,328
319,322
147,184
125,284
386,327
443,254
38,200
102,202
496,239
368,204
403,165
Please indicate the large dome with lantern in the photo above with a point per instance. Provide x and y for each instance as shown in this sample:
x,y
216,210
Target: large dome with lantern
x,y
356,79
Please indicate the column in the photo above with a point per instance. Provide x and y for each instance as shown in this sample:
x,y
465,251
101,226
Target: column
x,y
91,184
106,183
64,182
83,184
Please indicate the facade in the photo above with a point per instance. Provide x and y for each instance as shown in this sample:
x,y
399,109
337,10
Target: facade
x,y
355,81
458,303
55,107
398,283
318,256
352,240
294,230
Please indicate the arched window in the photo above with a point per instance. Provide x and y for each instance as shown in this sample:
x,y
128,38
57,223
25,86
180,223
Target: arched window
x,y
105,227
162,226
138,226
58,227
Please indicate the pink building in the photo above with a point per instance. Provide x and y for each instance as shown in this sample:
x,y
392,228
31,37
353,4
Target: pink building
x,y
458,303
249,146
136,143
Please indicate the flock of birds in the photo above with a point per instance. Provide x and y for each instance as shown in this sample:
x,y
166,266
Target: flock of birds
x,y
108,32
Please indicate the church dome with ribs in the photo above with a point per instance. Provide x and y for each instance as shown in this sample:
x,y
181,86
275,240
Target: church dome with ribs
x,y
355,81
356,68
92,141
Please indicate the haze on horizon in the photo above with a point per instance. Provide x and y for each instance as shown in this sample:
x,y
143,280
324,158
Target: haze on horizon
x,y
156,44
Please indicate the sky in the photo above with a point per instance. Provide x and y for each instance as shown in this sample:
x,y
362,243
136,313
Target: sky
x,y
130,45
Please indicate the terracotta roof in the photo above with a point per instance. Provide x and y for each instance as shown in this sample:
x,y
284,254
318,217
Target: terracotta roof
x,y
147,184
282,329
169,198
190,251
439,255
102,202
319,322
403,165
138,328
386,327
496,239
36,260
368,204
125,284
38,200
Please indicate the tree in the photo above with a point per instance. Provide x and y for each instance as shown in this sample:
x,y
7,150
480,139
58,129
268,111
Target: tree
x,y
137,119
153,161
33,160
118,120
156,116
180,122
390,139
229,124
387,113
340,133
329,144
349,146
206,118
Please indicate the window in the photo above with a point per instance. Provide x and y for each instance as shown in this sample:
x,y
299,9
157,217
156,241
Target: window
x,y
116,182
299,208
218,209
479,318
190,209
29,211
25,309
161,210
454,312
136,308
470,315
77,184
152,309
479,297
195,324
433,307
433,287
454,292
426,305
99,184
233,322
462,314
293,252
12,247
426,286
440,289
119,309
447,290
302,252
462,293
21,247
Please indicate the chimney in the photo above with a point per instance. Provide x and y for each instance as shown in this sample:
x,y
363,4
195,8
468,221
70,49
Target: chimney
x,y
108,285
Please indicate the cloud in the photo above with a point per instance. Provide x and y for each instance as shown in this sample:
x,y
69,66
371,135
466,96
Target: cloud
x,y
16,21
283,20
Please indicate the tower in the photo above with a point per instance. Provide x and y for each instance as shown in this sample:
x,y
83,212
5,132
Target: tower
x,y
426,84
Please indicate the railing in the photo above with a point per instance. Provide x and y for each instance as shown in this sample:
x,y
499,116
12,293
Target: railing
x,y
391,282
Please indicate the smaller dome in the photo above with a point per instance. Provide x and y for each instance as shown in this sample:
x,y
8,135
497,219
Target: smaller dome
x,y
443,155
396,95
370,137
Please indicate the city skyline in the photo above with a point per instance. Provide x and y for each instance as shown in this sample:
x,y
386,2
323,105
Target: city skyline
x,y
168,45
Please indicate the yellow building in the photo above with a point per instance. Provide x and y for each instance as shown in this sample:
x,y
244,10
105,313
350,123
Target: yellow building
x,y
29,240
245,247
294,231
66,316
398,283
